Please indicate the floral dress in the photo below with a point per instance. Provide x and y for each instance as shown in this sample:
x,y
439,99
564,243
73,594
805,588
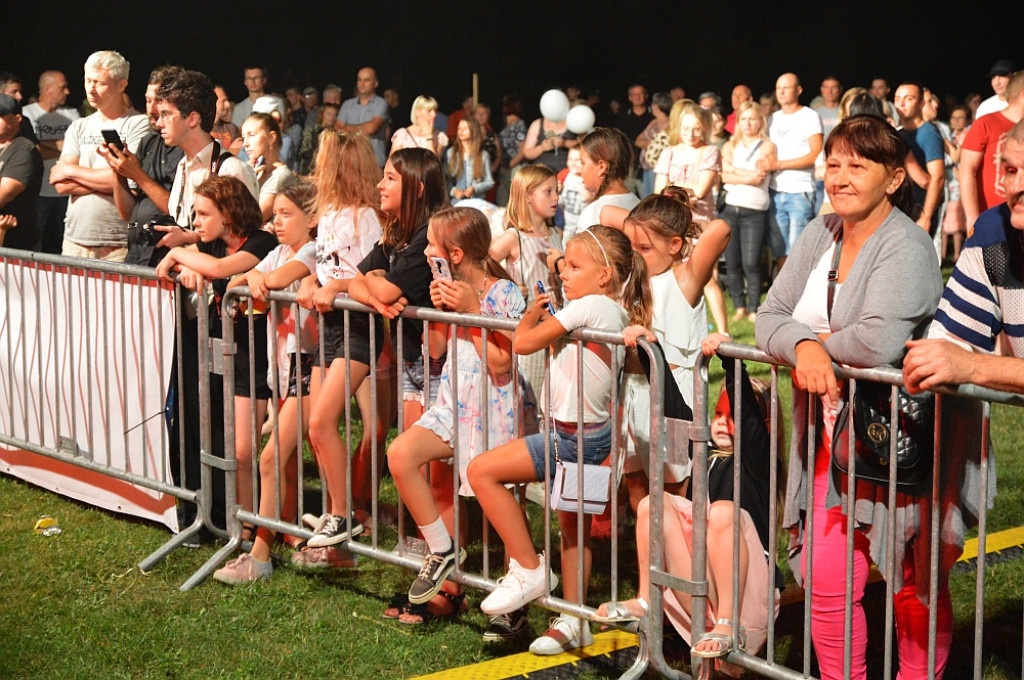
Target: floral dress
x,y
504,300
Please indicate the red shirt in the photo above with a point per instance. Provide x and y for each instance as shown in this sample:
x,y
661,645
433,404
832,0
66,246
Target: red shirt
x,y
987,136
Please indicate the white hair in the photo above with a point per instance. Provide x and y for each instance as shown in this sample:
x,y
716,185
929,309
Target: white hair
x,y
110,60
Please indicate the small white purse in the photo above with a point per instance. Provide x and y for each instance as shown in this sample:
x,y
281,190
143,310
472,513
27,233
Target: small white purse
x,y
565,491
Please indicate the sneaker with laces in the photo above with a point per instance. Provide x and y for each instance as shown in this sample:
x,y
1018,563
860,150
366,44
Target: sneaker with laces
x,y
505,627
312,521
563,633
436,568
518,588
242,570
334,530
316,559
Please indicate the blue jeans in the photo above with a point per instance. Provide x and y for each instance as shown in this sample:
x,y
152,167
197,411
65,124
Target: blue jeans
x,y
788,214
647,188
597,445
743,254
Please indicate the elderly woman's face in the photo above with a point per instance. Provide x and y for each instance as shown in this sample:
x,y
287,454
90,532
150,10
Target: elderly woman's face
x,y
858,186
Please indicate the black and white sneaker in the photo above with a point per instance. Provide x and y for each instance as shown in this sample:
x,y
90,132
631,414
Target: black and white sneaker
x,y
333,531
436,568
506,627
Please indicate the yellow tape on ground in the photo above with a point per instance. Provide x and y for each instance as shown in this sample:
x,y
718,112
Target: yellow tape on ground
x,y
526,663
1001,540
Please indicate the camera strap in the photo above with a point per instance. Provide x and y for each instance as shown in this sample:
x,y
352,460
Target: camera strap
x,y
217,158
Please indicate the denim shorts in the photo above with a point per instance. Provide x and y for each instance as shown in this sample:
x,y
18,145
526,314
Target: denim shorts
x,y
412,380
597,445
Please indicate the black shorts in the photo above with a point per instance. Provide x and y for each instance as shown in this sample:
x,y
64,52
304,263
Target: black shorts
x,y
333,337
259,337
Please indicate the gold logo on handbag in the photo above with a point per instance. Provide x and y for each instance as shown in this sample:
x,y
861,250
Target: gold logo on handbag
x,y
878,433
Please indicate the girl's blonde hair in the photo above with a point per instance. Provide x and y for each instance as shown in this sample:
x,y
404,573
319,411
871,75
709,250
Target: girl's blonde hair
x,y
525,181
610,247
737,135
468,230
681,109
456,156
848,97
667,215
346,173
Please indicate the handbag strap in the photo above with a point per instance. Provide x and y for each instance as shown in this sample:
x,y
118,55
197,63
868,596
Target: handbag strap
x,y
833,274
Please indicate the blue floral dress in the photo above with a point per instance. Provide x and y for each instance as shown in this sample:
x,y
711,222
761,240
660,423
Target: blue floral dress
x,y
503,299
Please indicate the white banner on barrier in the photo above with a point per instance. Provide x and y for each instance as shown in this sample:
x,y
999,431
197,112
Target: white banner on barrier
x,y
85,359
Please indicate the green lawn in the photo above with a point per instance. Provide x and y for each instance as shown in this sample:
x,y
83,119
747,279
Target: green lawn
x,y
75,606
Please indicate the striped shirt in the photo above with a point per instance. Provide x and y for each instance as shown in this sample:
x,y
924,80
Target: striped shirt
x,y
985,295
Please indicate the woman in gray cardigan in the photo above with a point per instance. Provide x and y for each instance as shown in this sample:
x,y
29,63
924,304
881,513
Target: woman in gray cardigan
x,y
889,284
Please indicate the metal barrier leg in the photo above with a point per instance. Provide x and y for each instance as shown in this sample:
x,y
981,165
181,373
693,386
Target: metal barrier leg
x,y
171,545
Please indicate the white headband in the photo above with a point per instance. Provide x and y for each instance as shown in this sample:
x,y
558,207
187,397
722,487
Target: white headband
x,y
607,262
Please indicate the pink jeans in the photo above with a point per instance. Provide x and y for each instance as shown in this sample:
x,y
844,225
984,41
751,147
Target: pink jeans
x,y
828,593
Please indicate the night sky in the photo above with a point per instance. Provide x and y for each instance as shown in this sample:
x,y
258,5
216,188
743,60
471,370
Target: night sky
x,y
524,47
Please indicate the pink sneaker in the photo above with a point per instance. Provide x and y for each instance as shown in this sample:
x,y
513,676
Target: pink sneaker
x,y
323,558
242,570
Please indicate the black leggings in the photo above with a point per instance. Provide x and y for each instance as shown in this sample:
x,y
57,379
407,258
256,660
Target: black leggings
x,y
743,254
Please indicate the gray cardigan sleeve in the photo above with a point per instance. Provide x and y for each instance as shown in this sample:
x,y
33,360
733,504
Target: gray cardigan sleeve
x,y
889,295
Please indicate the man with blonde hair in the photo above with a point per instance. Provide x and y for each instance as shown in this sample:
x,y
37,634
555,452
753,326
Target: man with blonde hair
x,y
93,227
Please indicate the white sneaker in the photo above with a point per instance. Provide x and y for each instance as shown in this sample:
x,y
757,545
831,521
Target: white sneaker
x,y
563,633
518,587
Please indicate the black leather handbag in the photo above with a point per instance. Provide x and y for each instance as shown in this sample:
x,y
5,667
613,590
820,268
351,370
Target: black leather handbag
x,y
873,430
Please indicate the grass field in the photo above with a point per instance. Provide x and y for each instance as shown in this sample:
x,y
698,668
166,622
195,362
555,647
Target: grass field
x,y
75,606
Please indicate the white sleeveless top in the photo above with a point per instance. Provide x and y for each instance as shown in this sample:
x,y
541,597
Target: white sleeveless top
x,y
747,195
591,214
679,327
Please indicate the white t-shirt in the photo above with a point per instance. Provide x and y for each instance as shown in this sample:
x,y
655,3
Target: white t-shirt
x,y
591,214
197,170
990,105
286,326
92,220
597,312
343,240
791,133
50,127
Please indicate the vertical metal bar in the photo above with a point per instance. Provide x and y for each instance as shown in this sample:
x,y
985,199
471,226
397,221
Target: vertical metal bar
x,y
41,400
374,436
737,465
933,561
773,509
126,427
812,425
613,500
581,584
86,367
180,302
276,398
851,512
254,427
24,358
979,591
347,462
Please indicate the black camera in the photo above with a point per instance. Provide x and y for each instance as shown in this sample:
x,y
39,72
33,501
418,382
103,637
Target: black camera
x,y
148,236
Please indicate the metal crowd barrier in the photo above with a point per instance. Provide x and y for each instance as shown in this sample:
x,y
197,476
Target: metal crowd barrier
x,y
71,408
979,462
399,553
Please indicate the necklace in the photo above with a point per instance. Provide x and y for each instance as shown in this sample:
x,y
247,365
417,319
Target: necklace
x,y
480,292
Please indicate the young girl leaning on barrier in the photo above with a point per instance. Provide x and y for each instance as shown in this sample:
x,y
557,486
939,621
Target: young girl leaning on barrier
x,y
755,527
295,258
228,222
479,285
680,259
602,278
348,226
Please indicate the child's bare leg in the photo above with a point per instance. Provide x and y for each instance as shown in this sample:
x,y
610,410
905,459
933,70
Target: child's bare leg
x,y
488,474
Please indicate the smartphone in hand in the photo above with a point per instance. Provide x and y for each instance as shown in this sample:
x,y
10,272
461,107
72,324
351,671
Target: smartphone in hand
x,y
112,138
440,270
542,290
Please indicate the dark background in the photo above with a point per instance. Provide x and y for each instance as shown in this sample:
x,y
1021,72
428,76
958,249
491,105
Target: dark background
x,y
524,47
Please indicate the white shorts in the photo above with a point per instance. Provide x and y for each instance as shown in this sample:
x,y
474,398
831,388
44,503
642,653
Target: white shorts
x,y
636,420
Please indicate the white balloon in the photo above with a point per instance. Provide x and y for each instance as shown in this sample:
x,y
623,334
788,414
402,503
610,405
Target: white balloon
x,y
580,119
554,105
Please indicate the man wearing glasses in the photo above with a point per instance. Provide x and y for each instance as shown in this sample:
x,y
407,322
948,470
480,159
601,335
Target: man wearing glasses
x,y
255,79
